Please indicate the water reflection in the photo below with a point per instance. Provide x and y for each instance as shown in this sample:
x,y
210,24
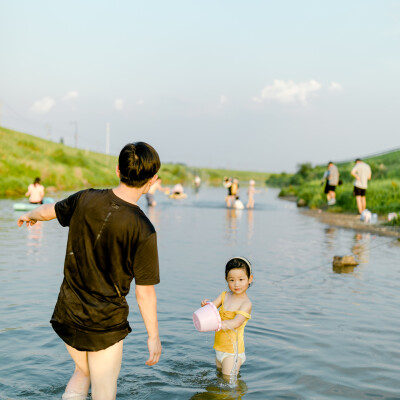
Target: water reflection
x,y
222,390
361,247
250,225
330,235
34,236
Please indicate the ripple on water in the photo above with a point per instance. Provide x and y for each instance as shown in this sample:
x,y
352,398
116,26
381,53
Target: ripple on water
x,y
314,333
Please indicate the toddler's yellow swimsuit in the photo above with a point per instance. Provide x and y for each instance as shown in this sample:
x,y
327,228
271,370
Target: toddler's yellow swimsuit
x,y
224,340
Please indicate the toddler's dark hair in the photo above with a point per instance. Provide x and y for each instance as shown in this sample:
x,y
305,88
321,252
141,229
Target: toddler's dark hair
x,y
138,162
238,262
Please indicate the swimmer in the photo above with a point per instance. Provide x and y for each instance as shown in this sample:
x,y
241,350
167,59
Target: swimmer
x,y
235,311
150,194
35,192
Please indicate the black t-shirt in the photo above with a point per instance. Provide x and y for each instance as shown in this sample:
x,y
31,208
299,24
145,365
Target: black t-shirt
x,y
110,242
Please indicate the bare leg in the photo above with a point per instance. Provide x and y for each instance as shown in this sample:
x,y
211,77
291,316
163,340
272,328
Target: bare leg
x,y
78,385
227,365
359,204
363,203
104,366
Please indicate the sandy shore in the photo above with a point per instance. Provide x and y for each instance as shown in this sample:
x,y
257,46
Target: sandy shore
x,y
352,221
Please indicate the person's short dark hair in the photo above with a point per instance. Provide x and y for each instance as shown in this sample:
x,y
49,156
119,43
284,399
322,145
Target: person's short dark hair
x,y
37,180
238,262
330,162
138,163
358,159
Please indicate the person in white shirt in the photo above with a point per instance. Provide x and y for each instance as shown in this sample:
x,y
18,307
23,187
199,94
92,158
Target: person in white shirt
x,y
331,176
35,192
362,174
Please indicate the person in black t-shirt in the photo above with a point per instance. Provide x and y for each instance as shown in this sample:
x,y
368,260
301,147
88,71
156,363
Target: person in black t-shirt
x,y
110,243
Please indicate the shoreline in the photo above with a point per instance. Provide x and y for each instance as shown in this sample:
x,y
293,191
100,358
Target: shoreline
x,y
347,220
352,221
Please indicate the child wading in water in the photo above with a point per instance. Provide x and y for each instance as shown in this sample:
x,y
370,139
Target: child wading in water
x,y
234,309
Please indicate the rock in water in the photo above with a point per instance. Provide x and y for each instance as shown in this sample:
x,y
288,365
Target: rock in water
x,y
301,203
344,261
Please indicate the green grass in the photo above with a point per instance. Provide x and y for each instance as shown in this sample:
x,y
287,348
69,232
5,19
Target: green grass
x,y
383,194
23,157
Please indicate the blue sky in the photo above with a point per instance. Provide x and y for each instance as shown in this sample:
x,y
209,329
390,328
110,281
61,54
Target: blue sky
x,y
261,85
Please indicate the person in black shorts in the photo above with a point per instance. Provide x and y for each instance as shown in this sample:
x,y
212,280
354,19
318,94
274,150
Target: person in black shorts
x,y
110,243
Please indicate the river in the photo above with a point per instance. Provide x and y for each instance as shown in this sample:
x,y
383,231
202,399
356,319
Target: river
x,y
314,333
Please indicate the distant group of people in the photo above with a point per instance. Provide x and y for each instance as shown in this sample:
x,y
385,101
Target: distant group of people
x,y
362,174
232,199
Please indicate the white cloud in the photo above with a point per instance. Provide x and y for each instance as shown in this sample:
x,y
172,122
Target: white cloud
x,y
42,106
140,102
119,104
335,87
288,91
223,99
72,94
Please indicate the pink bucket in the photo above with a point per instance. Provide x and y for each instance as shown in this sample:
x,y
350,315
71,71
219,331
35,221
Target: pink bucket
x,y
207,318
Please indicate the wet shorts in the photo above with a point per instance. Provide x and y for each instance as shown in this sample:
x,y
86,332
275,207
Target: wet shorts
x,y
220,356
359,192
329,188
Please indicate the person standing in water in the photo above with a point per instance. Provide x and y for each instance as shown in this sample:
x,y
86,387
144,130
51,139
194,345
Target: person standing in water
x,y
110,242
35,192
150,194
235,311
250,194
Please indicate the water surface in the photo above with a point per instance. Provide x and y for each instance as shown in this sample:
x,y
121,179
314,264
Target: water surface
x,y
314,333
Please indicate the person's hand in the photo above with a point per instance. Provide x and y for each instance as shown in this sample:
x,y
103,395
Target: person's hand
x,y
25,218
154,346
204,302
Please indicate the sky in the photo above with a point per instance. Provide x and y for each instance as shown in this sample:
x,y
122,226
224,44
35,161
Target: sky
x,y
249,85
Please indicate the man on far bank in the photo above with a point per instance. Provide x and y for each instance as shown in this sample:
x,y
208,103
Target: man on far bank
x,y
331,176
362,174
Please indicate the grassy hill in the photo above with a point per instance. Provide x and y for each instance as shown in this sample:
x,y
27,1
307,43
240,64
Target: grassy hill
x,y
24,157
383,194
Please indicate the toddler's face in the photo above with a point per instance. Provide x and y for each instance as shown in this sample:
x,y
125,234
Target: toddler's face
x,y
238,281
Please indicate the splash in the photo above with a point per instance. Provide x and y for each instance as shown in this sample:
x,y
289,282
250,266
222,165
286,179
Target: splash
x,y
234,371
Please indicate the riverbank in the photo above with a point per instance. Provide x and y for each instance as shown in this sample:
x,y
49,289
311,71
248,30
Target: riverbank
x,y
24,157
352,221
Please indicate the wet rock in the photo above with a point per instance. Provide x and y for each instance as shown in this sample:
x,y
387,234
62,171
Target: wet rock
x,y
344,261
301,203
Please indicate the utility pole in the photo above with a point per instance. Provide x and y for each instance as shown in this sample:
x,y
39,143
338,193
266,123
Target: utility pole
x,y
76,132
108,138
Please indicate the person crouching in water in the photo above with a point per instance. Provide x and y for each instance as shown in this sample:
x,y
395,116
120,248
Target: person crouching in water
x,y
110,242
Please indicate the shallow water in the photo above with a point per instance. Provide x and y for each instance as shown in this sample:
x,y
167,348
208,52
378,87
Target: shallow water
x,y
314,333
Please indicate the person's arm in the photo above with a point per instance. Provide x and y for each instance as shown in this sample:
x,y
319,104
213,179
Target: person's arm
x,y
147,301
238,320
354,173
46,212
217,302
